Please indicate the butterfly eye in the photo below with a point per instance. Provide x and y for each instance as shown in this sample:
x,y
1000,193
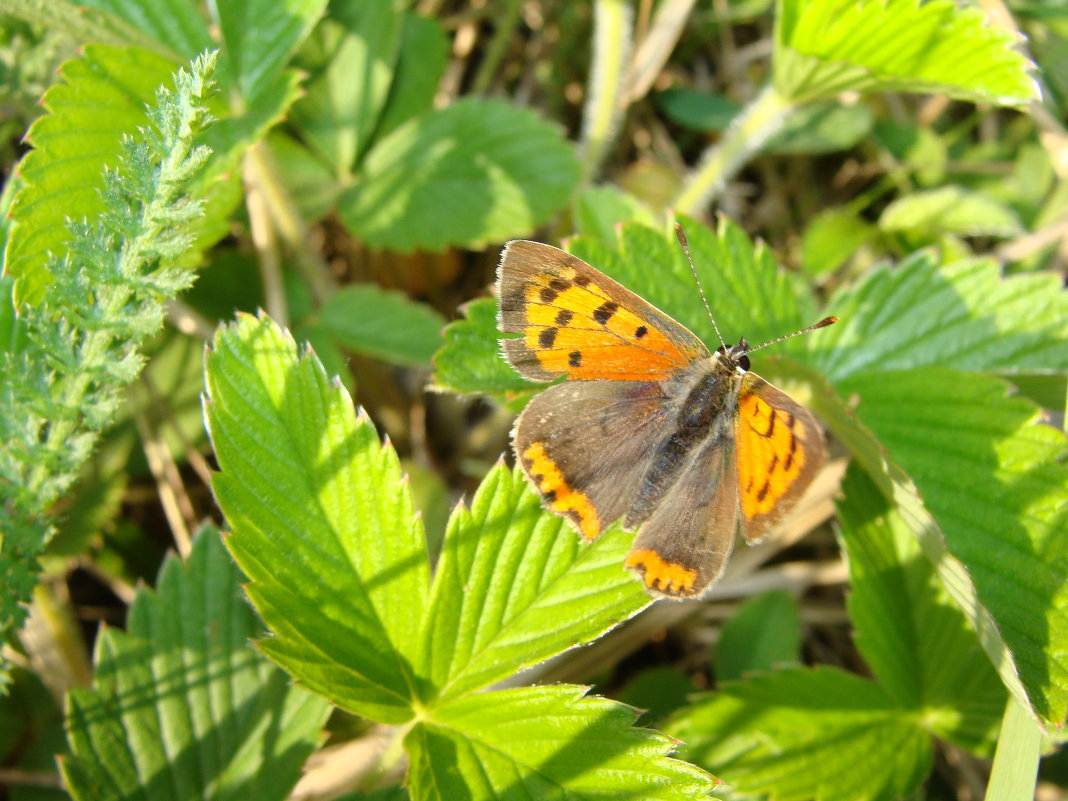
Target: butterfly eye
x,y
742,360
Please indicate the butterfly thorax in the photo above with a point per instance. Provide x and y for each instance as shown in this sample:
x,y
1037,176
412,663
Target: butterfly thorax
x,y
708,392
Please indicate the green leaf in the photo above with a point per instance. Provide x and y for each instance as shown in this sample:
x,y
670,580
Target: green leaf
x,y
233,133
515,585
91,504
475,172
181,707
917,643
381,323
102,97
894,483
322,522
962,315
749,295
75,21
62,385
994,479
1048,391
470,361
309,182
953,210
259,37
544,742
831,238
351,58
806,733
659,691
176,24
599,210
424,51
824,47
394,793
1015,769
764,634
820,128
699,111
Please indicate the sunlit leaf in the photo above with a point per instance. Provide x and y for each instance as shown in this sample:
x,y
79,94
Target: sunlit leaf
x,y
181,707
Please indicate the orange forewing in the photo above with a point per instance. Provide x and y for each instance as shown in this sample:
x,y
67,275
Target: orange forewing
x,y
577,322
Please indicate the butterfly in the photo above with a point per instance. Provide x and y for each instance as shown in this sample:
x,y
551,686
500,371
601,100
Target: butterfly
x,y
686,446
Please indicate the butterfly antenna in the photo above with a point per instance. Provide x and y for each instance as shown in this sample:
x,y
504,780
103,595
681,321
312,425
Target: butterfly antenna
x,y
824,322
686,249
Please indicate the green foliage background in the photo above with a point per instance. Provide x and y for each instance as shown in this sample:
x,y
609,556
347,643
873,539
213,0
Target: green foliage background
x,y
313,195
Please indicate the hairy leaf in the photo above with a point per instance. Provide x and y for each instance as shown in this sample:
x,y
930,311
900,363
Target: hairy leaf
x,y
823,47
806,733
515,585
102,97
544,742
322,519
470,360
475,172
383,324
994,479
181,707
917,643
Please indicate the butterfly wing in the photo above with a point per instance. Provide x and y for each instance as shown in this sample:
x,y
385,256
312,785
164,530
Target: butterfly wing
x,y
780,450
683,546
578,322
585,447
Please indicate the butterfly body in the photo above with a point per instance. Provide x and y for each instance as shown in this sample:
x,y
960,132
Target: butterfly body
x,y
685,446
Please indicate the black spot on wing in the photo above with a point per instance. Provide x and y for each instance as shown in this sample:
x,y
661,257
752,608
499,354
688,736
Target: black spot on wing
x,y
575,358
603,313
547,337
790,456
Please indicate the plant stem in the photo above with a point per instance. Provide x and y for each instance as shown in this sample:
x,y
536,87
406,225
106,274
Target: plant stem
x,y
1015,768
741,141
259,168
604,102
503,30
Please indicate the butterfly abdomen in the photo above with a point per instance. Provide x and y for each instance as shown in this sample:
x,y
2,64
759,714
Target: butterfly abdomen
x,y
699,418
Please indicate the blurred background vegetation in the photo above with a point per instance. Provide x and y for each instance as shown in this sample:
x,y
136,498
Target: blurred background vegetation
x,y
361,186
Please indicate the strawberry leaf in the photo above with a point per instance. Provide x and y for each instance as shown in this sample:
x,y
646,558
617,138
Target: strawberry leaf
x,y
322,519
181,707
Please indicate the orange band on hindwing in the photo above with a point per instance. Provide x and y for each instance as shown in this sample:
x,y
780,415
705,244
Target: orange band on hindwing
x,y
666,577
771,454
558,494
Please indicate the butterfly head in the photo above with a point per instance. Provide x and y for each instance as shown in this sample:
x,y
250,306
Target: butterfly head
x,y
736,355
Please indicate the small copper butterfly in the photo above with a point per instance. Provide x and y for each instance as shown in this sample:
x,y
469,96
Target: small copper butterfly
x,y
686,446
